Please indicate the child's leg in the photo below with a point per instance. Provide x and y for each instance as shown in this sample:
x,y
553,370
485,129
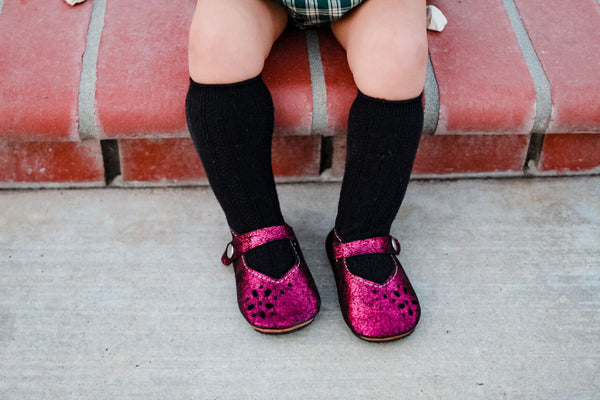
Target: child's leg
x,y
231,39
386,46
230,116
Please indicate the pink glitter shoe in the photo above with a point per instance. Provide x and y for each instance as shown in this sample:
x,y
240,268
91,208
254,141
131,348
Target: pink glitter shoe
x,y
373,311
269,305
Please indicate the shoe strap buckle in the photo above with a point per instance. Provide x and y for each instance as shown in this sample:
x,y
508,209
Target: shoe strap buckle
x,y
227,257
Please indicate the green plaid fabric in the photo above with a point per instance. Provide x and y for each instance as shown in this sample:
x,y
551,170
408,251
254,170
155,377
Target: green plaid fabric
x,y
318,12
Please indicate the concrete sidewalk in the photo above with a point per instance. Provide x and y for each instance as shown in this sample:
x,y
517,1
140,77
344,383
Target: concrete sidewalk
x,y
119,294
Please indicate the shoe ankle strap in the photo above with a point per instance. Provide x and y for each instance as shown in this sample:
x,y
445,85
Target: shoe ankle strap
x,y
242,243
376,245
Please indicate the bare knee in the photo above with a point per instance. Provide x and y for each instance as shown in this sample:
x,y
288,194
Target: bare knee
x,y
227,44
386,44
390,64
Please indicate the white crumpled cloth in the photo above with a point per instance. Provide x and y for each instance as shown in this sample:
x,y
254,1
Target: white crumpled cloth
x,y
436,21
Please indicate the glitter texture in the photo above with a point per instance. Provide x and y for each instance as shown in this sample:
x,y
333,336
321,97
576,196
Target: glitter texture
x,y
384,245
268,304
373,311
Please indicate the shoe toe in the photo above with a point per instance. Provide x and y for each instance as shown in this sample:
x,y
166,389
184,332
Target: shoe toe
x,y
390,310
277,305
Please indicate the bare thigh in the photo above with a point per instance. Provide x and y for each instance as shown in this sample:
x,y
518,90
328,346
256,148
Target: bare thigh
x,y
386,46
230,39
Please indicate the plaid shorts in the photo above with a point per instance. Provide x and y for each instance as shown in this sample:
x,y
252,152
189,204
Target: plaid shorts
x,y
307,13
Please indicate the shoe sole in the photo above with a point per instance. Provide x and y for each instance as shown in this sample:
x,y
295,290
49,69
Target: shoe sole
x,y
385,339
274,331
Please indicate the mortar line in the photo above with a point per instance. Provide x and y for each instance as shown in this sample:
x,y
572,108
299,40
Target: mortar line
x,y
2,3
543,92
87,83
543,89
432,101
317,78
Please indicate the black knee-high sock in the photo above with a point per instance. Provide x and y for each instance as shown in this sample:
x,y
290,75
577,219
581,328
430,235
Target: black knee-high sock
x,y
382,142
232,129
